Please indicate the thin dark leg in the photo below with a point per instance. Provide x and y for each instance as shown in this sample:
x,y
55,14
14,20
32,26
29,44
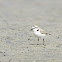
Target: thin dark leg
x,y
43,41
38,39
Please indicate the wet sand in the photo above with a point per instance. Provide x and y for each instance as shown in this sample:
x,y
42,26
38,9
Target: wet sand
x,y
17,42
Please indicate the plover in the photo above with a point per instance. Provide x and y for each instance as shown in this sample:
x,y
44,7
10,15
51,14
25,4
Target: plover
x,y
39,32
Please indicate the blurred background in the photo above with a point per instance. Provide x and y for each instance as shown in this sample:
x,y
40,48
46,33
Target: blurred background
x,y
16,19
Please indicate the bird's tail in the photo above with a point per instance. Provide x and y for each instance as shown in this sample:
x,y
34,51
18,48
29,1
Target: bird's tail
x,y
48,34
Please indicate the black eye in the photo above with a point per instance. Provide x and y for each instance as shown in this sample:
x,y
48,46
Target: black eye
x,y
38,30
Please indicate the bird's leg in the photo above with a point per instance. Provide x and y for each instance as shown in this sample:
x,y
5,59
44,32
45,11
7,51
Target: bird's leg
x,y
38,38
43,41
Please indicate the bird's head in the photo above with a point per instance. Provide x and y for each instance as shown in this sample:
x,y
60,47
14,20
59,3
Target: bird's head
x,y
35,28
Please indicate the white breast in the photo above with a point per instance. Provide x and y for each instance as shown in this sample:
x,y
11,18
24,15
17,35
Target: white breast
x,y
37,33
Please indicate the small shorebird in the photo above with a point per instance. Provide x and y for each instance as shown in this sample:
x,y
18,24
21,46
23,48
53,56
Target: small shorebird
x,y
39,32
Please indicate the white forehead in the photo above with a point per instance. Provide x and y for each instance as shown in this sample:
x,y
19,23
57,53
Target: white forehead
x,y
33,27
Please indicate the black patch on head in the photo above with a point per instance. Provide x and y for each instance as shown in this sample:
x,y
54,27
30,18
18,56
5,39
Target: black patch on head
x,y
35,26
38,30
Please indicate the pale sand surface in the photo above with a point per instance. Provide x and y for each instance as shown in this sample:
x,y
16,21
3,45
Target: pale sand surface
x,y
17,42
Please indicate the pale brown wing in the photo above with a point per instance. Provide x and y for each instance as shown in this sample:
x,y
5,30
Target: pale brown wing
x,y
42,31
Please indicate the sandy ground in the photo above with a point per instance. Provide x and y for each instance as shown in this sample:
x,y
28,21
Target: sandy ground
x,y
17,42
